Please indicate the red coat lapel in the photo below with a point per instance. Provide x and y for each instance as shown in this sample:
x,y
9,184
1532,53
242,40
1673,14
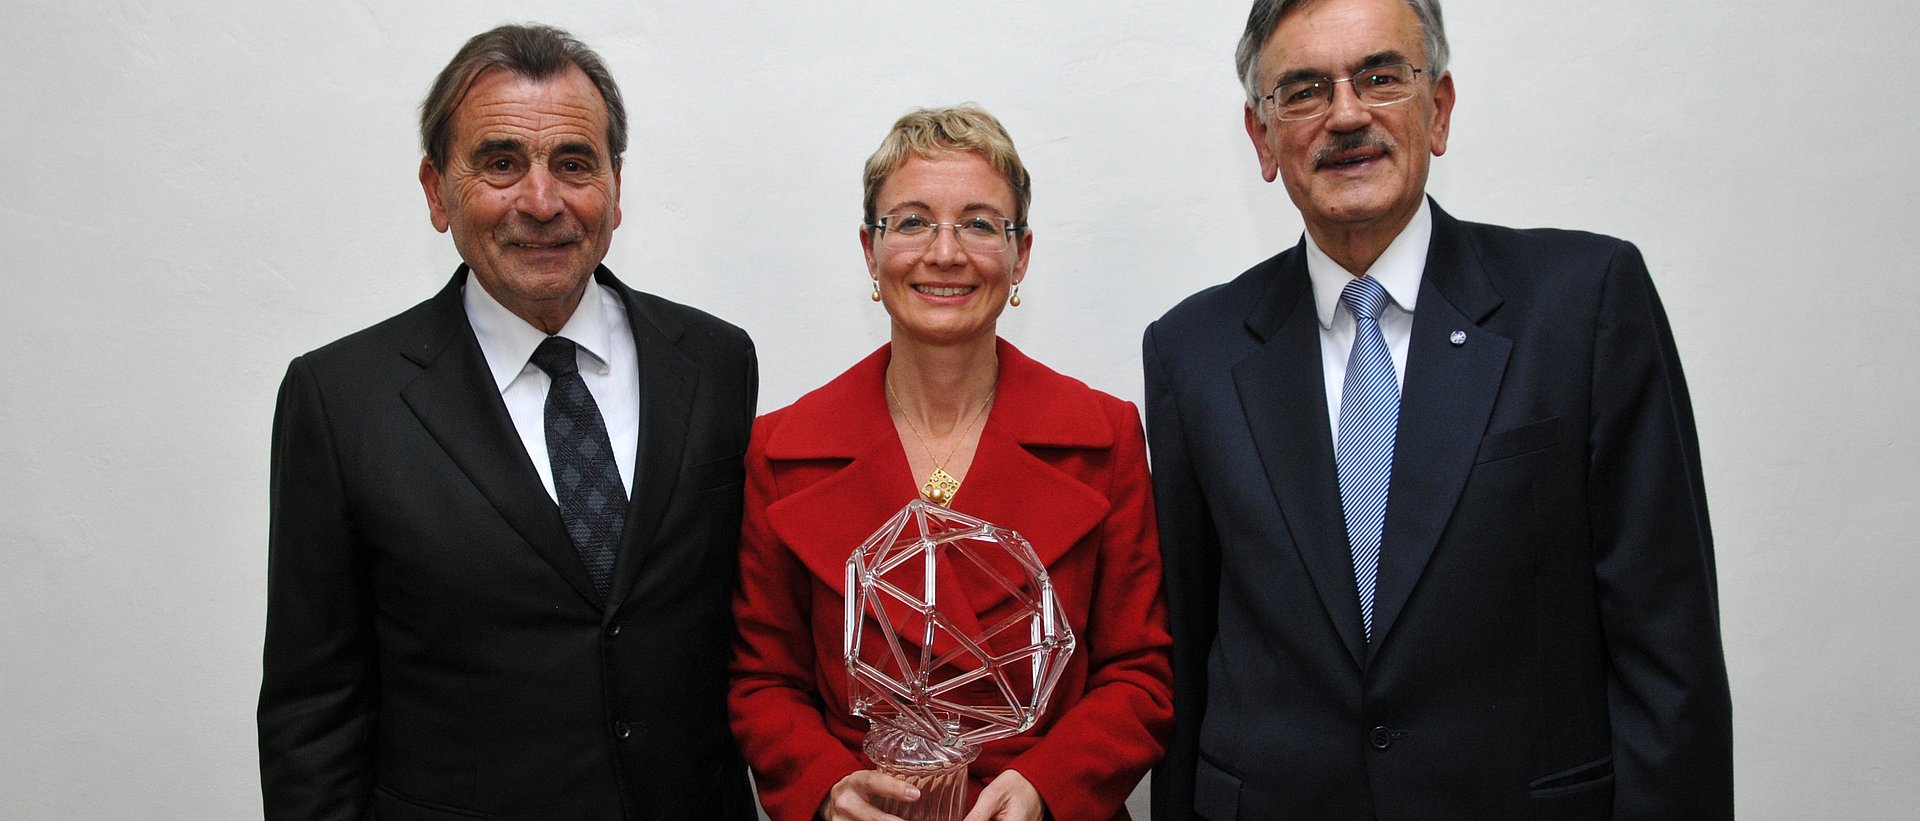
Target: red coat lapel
x,y
1009,483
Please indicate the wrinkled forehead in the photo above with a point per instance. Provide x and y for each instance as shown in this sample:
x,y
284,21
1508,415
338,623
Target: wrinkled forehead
x,y
1337,36
565,104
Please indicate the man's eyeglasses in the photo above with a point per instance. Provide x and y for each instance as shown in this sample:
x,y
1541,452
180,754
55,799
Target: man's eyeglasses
x,y
912,232
1312,97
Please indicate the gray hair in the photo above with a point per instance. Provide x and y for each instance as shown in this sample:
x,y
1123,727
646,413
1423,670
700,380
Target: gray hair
x,y
1266,16
533,51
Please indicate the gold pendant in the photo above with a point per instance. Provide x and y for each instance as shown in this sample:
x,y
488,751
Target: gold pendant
x,y
940,487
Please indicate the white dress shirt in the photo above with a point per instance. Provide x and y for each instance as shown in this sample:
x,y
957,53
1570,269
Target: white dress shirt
x,y
1398,270
608,364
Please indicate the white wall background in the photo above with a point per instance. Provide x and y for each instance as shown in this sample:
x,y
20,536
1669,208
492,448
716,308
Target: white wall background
x,y
191,194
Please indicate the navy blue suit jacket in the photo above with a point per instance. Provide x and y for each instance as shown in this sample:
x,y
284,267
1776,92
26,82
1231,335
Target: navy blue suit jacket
x,y
1546,633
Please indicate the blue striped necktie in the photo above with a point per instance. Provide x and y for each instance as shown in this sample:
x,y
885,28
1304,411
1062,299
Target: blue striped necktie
x,y
1369,416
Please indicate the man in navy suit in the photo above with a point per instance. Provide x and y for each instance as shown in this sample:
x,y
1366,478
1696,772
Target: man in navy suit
x,y
504,521
1430,495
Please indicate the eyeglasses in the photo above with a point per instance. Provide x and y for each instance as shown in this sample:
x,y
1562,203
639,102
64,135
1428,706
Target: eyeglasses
x,y
912,232
1312,97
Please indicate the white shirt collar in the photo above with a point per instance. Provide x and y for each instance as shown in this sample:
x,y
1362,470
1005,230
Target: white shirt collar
x,y
1398,269
508,341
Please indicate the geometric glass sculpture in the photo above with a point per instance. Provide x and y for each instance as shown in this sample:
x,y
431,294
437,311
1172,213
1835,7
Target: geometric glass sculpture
x,y
953,637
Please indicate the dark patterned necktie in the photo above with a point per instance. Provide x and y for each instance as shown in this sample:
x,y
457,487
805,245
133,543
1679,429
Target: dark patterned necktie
x,y
592,502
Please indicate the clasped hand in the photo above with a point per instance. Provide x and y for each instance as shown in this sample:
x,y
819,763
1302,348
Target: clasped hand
x,y
1009,798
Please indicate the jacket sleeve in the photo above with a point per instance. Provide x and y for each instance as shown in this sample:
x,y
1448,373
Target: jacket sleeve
x,y
1098,750
1190,560
317,692
773,697
1653,553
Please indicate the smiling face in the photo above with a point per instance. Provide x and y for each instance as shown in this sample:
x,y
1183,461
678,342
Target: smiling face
x,y
944,294
1355,168
530,191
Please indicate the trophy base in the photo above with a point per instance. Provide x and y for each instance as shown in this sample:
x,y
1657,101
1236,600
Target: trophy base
x,y
940,773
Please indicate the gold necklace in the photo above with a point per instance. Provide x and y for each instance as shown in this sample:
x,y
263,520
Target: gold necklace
x,y
940,486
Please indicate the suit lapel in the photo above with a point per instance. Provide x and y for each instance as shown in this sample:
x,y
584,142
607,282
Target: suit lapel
x,y
455,399
844,422
824,522
1020,491
1282,392
668,380
1449,396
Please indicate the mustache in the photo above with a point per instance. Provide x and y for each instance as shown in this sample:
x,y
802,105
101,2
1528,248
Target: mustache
x,y
1353,141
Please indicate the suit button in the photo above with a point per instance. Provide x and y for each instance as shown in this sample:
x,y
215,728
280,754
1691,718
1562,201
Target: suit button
x,y
1381,738
621,730
613,630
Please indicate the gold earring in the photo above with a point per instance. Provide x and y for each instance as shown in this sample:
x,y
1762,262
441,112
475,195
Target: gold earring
x,y
1015,299
876,290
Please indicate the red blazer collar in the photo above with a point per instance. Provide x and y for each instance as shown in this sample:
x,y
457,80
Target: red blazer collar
x,y
1007,484
847,417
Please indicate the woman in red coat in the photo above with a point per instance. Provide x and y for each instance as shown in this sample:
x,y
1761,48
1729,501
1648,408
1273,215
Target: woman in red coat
x,y
949,411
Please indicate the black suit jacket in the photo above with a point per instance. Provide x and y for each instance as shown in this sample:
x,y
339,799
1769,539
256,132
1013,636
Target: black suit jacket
x,y
1546,630
435,648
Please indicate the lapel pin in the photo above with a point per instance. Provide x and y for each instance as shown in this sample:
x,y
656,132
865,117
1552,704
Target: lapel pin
x,y
1458,338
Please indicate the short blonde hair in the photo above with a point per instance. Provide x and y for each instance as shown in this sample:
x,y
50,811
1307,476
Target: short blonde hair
x,y
927,132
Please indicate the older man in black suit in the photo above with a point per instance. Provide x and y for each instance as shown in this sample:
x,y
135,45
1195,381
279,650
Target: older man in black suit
x,y
1430,494
504,521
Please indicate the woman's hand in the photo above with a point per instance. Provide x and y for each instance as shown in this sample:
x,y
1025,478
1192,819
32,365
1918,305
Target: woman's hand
x,y
1009,798
853,797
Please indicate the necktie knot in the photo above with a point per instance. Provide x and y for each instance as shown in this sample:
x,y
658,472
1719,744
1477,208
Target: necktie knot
x,y
1364,297
557,356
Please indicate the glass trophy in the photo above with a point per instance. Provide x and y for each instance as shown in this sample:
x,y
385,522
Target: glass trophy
x,y
953,637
